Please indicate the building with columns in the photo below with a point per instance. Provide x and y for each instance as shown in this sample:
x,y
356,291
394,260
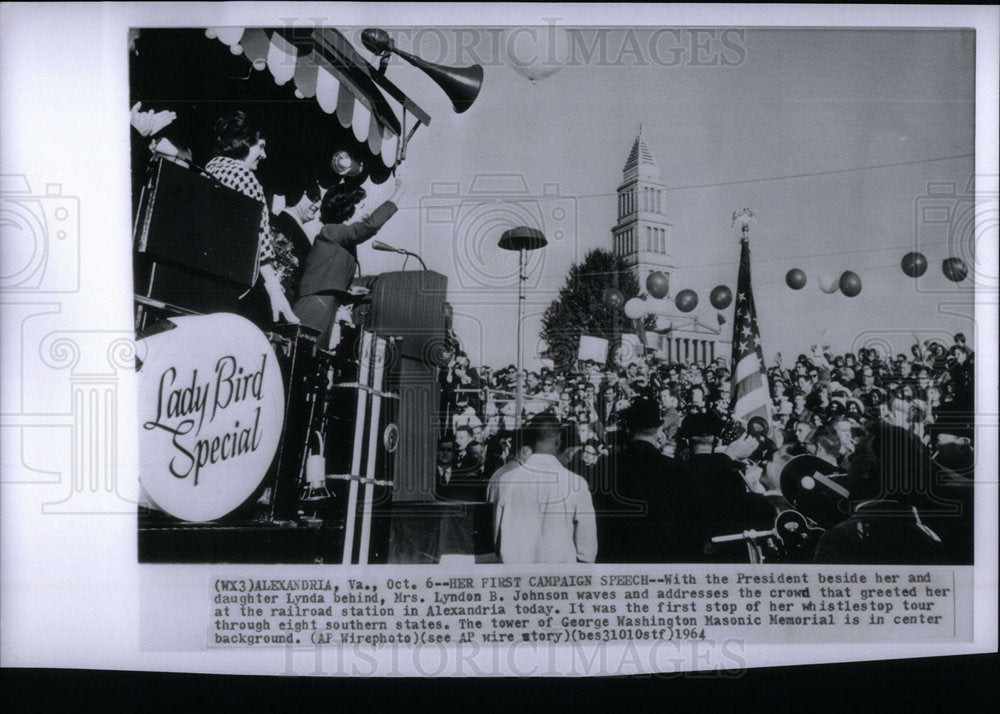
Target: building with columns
x,y
643,236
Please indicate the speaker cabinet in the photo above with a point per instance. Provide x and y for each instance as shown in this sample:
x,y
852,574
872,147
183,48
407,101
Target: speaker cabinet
x,y
195,240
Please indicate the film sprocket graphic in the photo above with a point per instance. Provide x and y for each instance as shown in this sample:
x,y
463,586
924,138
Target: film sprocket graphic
x,y
958,218
41,234
473,220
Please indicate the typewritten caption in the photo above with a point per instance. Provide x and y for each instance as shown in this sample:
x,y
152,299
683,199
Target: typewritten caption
x,y
808,604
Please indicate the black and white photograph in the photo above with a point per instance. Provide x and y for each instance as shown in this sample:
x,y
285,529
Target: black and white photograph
x,y
560,330
637,295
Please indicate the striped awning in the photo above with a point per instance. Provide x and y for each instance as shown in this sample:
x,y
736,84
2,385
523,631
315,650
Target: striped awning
x,y
323,66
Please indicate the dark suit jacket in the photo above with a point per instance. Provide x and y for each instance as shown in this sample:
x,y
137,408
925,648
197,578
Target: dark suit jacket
x,y
722,505
467,481
637,517
333,259
881,532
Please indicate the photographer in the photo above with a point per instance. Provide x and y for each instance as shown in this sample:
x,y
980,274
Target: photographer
x,y
720,501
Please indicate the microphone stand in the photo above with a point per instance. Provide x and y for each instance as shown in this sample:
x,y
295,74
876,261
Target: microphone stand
x,y
389,249
408,255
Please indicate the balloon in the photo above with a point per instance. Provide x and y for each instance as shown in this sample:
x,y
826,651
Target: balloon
x,y
686,300
955,269
658,285
828,285
721,297
795,279
537,52
635,308
914,264
850,283
613,298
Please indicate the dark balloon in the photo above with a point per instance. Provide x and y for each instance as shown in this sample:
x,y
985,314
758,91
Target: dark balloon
x,y
686,300
795,279
850,283
721,297
914,264
955,269
613,298
657,285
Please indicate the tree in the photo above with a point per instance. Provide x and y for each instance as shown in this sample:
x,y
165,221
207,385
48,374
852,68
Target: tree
x,y
580,308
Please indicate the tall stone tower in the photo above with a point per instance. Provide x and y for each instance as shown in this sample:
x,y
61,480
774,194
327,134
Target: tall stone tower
x,y
643,235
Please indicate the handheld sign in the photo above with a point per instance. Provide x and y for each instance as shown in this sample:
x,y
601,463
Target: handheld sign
x,y
211,404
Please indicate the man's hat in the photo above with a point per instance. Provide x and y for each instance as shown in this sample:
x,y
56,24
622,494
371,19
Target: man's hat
x,y
701,424
642,414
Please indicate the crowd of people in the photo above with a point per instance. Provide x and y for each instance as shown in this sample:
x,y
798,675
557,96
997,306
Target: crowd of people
x,y
666,470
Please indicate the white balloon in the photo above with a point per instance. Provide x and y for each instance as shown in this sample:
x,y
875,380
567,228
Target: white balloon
x,y
635,308
537,52
829,284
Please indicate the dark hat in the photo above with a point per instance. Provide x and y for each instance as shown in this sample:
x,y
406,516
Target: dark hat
x,y
642,414
701,424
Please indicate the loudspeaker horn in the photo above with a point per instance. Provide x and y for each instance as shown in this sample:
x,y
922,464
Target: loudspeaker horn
x,y
461,84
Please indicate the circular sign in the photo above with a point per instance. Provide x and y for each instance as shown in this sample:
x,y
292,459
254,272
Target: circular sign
x,y
211,406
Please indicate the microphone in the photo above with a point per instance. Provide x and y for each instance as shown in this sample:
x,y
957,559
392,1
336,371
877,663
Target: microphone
x,y
385,247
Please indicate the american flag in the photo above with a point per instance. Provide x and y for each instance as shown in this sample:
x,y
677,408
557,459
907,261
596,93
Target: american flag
x,y
751,395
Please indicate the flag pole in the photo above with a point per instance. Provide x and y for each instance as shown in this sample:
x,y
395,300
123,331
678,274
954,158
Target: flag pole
x,y
751,394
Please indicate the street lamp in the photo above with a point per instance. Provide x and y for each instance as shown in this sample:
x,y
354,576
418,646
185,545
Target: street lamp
x,y
522,239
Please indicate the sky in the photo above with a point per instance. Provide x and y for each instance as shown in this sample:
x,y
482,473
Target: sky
x,y
787,122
